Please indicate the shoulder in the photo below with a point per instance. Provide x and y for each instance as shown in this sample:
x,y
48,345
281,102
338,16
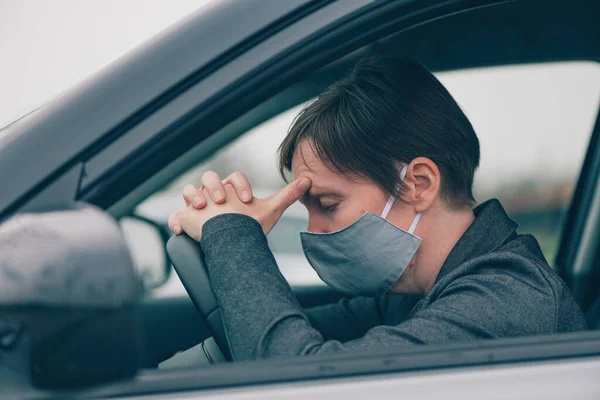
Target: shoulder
x,y
520,259
508,269
514,281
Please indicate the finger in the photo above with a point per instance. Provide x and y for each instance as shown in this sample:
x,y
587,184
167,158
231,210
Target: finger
x,y
230,190
187,221
207,197
287,196
193,196
241,185
174,224
212,182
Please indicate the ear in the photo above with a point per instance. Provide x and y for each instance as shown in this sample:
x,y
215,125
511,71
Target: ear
x,y
424,181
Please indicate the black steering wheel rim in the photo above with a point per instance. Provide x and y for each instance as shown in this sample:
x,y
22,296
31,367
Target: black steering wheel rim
x,y
188,261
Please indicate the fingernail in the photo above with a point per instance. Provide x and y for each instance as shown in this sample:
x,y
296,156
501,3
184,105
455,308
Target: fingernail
x,y
245,195
218,195
304,184
177,228
197,200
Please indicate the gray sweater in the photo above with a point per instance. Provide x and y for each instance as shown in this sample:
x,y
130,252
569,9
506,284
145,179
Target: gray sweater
x,y
493,284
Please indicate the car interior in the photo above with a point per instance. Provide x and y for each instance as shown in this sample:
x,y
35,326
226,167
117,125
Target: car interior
x,y
513,33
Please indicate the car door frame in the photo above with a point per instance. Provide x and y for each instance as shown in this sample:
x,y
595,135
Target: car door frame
x,y
177,132
443,364
587,343
578,258
582,345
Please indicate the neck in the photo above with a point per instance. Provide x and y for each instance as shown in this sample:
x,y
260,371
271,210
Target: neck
x,y
440,229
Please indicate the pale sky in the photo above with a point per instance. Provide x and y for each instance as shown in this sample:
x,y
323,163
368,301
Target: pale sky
x,y
46,46
533,122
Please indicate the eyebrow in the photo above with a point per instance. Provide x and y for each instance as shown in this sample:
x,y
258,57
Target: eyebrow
x,y
320,192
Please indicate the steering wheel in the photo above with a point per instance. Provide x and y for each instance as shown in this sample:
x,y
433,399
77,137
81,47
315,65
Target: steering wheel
x,y
188,260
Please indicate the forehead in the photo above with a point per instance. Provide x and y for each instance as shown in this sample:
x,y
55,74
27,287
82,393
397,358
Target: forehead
x,y
305,163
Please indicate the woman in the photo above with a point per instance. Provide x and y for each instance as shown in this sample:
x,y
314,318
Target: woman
x,y
384,163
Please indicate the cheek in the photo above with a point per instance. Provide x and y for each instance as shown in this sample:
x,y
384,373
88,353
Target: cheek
x,y
320,221
347,213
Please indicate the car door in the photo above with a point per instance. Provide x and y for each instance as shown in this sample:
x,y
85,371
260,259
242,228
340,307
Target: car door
x,y
127,163
534,186
446,66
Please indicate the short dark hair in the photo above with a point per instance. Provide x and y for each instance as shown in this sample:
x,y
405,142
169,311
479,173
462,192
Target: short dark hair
x,y
389,110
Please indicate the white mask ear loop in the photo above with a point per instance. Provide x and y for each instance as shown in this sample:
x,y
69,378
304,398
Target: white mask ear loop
x,y
390,202
388,206
413,226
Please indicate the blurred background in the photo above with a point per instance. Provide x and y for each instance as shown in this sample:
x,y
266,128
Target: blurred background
x,y
534,122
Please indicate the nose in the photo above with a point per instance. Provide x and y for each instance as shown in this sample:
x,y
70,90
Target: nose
x,y
317,224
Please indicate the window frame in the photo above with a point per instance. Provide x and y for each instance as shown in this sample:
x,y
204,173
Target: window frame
x,y
424,360
428,358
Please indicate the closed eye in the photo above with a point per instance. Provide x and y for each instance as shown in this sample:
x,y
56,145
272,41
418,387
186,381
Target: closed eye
x,y
329,207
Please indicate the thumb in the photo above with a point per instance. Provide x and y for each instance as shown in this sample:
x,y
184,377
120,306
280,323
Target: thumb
x,y
287,196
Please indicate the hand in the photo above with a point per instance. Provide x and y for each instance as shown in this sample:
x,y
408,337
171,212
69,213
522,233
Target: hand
x,y
211,181
212,188
266,211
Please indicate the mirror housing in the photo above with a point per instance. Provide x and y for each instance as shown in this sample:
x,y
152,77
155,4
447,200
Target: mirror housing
x,y
68,301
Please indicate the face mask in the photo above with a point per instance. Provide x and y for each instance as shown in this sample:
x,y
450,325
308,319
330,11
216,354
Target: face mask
x,y
366,258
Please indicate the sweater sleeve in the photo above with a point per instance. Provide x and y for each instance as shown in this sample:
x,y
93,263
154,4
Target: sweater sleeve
x,y
256,302
263,319
347,319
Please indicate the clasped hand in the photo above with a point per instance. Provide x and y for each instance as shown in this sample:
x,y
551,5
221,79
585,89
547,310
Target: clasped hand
x,y
231,195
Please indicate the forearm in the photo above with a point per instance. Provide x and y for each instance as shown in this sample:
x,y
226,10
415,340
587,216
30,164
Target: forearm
x,y
261,314
347,319
256,301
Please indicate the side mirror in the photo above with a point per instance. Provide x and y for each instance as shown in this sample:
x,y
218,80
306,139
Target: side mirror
x,y
146,241
68,301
